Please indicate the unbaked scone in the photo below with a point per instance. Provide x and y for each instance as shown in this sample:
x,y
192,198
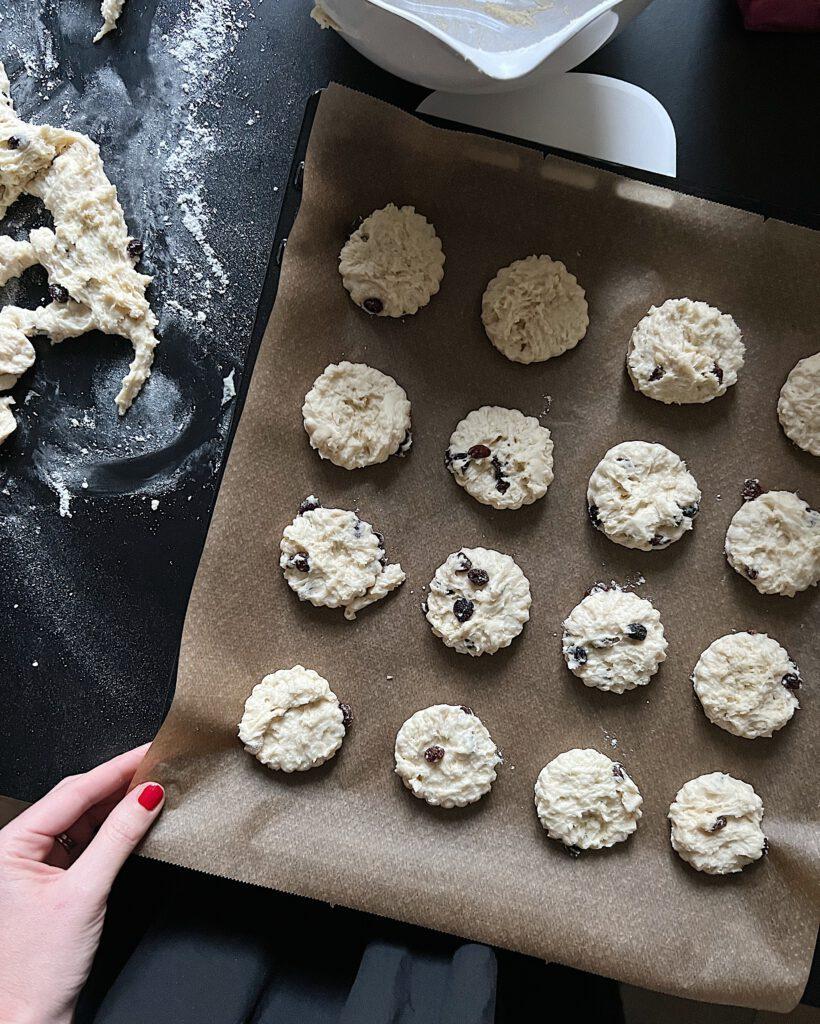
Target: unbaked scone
x,y
798,407
357,416
716,824
641,495
614,640
110,11
8,424
587,800
534,309
747,684
685,352
444,755
333,559
393,263
773,541
501,457
479,601
293,720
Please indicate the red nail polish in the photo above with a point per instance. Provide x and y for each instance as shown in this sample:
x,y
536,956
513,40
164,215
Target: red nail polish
x,y
151,796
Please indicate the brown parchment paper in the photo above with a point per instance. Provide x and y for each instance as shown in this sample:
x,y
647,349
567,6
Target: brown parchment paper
x,y
349,832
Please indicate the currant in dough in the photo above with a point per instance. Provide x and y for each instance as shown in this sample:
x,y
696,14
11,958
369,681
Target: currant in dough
x,y
747,684
614,640
798,407
773,541
356,416
716,824
293,721
587,800
501,457
641,495
393,262
478,602
333,559
685,352
534,309
444,755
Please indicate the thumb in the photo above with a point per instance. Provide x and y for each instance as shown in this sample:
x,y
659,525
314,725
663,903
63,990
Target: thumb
x,y
120,833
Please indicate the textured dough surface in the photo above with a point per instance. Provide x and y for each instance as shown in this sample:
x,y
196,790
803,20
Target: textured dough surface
x,y
333,559
292,720
641,495
685,352
518,469
587,800
462,768
393,263
746,684
478,618
356,416
110,11
774,542
614,640
798,407
716,824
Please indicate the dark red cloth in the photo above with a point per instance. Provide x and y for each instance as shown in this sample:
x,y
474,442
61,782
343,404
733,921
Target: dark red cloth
x,y
781,15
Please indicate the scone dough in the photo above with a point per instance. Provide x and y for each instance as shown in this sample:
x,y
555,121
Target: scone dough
x,y
774,542
393,262
641,495
534,309
110,11
501,457
356,416
332,558
685,352
716,824
8,424
614,640
747,684
292,720
479,601
445,756
798,407
587,800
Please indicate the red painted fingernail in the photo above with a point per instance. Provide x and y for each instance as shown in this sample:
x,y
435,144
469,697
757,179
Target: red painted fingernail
x,y
151,796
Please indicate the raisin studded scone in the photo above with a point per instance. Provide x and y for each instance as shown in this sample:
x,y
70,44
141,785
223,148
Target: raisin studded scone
x,y
478,602
393,263
773,541
333,559
293,720
798,407
534,309
747,684
501,457
357,416
444,755
641,495
685,352
587,800
614,640
716,824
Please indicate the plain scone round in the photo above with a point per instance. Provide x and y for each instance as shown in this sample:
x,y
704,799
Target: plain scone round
x,y
798,407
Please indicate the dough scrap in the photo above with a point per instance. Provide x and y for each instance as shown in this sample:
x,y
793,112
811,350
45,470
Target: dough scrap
x,y
774,542
534,309
356,416
685,352
641,495
798,407
614,640
110,11
518,469
587,800
292,720
716,824
478,602
445,755
746,683
393,262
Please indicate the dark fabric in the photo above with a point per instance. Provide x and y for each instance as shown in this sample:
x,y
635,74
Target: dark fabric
x,y
781,15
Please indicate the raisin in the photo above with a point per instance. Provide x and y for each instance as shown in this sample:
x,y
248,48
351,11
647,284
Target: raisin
x,y
718,372
15,142
478,577
751,574
751,489
658,541
347,714
466,710
451,457
791,681
58,293
766,846
657,373
463,609
592,512
479,451
502,486
433,754
618,770
300,562
690,511
373,305
464,563
405,446
309,504
135,248
573,851
579,655
720,822
636,631
379,537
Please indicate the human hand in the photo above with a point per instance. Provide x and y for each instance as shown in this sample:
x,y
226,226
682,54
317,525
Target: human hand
x,y
58,860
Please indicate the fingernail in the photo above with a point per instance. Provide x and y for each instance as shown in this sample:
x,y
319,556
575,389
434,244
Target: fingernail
x,y
151,796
